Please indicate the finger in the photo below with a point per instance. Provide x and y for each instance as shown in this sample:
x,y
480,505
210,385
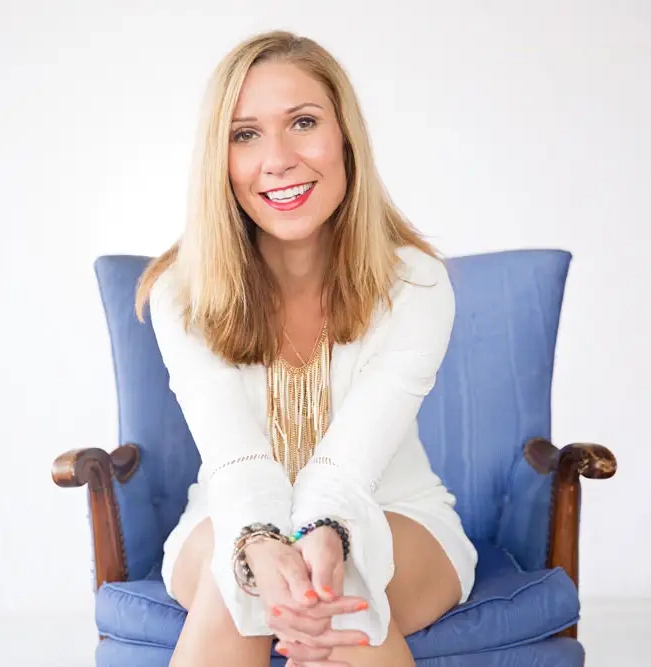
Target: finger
x,y
276,596
338,583
343,605
325,580
276,592
301,652
315,620
288,624
312,621
329,638
322,663
300,587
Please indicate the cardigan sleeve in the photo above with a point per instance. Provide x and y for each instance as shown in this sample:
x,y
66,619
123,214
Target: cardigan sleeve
x,y
245,483
380,407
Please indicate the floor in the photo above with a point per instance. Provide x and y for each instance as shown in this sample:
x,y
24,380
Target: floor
x,y
614,633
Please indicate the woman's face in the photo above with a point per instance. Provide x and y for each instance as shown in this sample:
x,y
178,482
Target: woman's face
x,y
286,157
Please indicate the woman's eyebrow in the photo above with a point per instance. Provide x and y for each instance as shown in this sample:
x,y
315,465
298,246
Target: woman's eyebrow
x,y
298,107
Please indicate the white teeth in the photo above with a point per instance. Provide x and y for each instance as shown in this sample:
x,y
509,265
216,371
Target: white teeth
x,y
289,193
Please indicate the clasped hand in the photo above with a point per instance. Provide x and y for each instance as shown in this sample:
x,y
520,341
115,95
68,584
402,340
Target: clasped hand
x,y
301,586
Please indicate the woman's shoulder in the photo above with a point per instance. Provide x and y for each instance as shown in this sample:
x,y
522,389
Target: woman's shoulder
x,y
422,292
165,291
167,308
181,344
422,308
422,269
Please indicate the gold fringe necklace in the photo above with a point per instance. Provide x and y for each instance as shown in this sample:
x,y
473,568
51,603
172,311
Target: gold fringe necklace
x,y
298,402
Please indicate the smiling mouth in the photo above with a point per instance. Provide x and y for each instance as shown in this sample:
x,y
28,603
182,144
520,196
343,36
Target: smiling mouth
x,y
288,195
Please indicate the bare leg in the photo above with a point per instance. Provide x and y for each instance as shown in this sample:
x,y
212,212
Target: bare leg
x,y
394,652
424,587
209,636
425,584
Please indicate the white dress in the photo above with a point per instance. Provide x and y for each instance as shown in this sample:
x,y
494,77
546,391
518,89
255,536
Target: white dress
x,y
369,461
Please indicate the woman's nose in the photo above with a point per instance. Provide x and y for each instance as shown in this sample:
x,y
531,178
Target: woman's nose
x,y
279,155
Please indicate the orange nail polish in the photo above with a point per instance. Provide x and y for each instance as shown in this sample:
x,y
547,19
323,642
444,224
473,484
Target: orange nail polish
x,y
363,642
282,651
276,611
311,595
328,591
362,606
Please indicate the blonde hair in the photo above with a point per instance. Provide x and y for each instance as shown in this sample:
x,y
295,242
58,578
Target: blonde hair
x,y
225,289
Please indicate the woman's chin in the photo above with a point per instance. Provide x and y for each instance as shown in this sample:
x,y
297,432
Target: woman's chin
x,y
293,231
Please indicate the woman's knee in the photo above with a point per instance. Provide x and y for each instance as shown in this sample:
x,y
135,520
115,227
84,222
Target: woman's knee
x,y
425,584
192,566
209,635
393,652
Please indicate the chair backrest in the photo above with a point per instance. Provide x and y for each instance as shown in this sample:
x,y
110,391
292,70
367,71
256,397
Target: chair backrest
x,y
492,394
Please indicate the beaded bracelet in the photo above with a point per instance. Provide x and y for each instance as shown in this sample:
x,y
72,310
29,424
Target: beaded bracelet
x,y
331,523
260,531
250,534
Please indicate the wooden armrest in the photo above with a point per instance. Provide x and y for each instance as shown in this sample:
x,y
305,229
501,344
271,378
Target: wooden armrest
x,y
589,460
97,468
568,465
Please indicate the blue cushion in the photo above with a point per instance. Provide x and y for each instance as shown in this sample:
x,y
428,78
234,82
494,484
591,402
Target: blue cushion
x,y
508,607
557,652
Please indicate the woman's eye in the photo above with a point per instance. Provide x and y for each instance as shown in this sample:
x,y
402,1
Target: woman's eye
x,y
242,136
305,122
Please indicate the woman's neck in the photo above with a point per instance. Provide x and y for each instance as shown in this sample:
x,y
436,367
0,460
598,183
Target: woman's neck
x,y
298,266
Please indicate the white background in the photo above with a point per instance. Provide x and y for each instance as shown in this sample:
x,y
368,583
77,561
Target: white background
x,y
495,125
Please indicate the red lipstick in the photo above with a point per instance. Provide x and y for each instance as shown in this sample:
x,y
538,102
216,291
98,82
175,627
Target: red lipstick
x,y
290,205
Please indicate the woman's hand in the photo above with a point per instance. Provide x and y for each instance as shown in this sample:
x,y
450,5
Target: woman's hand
x,y
296,614
323,556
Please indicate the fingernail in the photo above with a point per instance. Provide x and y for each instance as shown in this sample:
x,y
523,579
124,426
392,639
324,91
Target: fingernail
x,y
311,595
361,606
282,651
276,611
363,642
328,591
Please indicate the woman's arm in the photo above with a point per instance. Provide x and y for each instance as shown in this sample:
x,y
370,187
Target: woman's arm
x,y
246,484
385,397
372,422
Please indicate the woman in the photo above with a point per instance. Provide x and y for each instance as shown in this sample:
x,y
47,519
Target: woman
x,y
302,321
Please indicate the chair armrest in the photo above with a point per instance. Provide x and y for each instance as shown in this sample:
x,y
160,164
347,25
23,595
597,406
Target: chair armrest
x,y
568,465
96,468
589,460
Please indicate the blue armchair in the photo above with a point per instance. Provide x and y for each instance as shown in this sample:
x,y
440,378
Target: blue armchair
x,y
486,427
